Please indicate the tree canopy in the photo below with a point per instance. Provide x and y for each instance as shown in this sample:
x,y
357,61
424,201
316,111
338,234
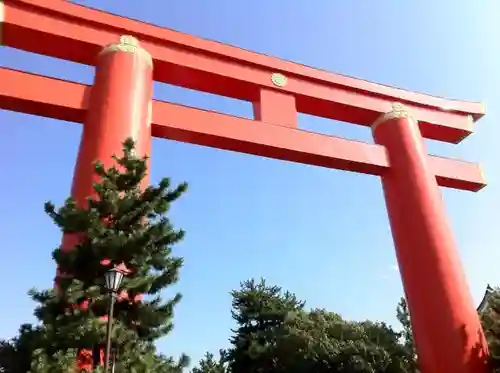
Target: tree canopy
x,y
490,319
275,333
122,225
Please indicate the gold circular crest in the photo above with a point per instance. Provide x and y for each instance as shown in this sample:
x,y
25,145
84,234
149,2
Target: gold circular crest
x,y
278,79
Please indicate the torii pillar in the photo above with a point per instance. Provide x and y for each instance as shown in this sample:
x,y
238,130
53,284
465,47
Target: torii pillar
x,y
119,107
445,324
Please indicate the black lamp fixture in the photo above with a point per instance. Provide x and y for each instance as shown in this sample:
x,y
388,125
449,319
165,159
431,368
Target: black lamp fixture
x,y
112,280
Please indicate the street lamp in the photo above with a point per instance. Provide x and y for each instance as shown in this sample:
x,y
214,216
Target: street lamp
x,y
112,281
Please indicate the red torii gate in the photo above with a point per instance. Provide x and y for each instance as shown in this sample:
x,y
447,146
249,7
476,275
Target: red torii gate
x,y
119,104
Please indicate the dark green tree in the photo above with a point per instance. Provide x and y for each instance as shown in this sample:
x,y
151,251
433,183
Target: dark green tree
x,y
275,333
210,364
490,319
260,312
123,225
403,315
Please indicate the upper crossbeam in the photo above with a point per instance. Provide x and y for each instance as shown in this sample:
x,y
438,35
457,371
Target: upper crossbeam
x,y
59,28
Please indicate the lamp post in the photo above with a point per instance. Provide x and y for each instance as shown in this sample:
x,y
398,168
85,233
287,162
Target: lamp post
x,y
112,281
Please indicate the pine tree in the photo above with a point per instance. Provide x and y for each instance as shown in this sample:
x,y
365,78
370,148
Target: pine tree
x,y
260,312
490,320
123,225
403,315
209,364
276,334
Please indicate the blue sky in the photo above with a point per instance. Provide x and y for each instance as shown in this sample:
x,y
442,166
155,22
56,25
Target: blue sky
x,y
321,233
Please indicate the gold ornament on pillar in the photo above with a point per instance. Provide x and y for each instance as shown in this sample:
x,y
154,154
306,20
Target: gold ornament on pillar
x,y
398,110
128,44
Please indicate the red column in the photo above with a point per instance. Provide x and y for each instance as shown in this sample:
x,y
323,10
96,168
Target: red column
x,y
446,327
119,107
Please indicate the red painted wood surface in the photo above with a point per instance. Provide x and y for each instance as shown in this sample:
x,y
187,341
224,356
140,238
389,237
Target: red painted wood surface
x,y
69,31
445,324
438,295
68,101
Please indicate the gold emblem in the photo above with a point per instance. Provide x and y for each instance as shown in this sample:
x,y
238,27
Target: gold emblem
x,y
279,80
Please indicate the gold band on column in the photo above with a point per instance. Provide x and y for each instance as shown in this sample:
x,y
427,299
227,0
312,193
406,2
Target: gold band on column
x,y
398,110
128,44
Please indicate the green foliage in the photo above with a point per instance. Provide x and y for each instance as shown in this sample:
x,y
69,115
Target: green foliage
x,y
490,319
62,361
123,224
403,315
209,364
8,357
276,334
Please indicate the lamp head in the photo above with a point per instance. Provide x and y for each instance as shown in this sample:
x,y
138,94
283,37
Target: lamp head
x,y
113,279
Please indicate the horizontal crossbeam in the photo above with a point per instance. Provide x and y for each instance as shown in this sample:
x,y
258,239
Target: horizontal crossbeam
x,y
49,97
65,30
